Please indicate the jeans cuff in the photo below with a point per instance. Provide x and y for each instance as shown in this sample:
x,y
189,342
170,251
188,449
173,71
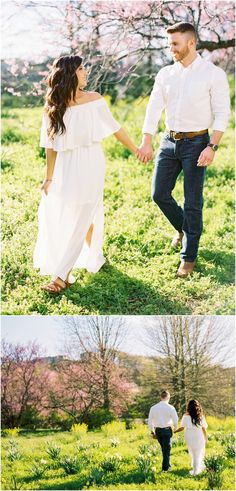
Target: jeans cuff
x,y
188,259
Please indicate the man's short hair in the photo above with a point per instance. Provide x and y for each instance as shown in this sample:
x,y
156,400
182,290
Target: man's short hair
x,y
182,27
165,394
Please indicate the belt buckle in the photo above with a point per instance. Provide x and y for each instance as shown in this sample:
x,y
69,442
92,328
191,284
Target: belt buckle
x,y
173,135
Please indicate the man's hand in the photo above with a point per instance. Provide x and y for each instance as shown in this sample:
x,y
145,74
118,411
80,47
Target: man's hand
x,y
206,157
139,154
146,152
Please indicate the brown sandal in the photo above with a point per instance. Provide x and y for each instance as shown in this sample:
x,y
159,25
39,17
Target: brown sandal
x,y
54,287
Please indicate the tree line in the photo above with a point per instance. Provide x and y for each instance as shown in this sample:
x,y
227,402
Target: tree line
x,y
122,43
95,381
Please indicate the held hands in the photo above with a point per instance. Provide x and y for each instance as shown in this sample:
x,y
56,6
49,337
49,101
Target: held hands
x,y
206,157
45,186
144,153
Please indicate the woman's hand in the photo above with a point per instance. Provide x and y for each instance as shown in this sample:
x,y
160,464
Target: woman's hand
x,y
138,155
45,186
145,152
124,138
177,430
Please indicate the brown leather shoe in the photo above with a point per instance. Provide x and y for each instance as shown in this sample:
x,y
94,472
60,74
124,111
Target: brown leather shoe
x,y
185,269
177,240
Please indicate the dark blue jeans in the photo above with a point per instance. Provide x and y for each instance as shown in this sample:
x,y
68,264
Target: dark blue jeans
x,y
164,437
175,156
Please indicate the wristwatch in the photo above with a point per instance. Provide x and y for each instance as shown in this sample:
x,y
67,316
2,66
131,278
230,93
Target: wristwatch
x,y
213,146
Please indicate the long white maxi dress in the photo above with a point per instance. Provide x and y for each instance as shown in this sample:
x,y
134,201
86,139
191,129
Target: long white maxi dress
x,y
195,441
75,197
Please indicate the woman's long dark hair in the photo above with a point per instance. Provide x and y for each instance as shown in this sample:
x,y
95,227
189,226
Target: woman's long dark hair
x,y
195,411
62,83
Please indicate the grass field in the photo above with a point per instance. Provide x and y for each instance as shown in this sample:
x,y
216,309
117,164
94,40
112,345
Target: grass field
x,y
109,459
139,277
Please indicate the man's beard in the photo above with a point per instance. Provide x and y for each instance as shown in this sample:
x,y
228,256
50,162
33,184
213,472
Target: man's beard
x,y
183,53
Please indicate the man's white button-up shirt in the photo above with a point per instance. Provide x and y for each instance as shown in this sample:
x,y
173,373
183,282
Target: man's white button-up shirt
x,y
195,98
162,415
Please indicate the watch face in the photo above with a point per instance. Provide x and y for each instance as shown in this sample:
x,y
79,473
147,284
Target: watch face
x,y
214,147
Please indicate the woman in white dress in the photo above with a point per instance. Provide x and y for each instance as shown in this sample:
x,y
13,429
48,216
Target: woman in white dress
x,y
70,215
194,424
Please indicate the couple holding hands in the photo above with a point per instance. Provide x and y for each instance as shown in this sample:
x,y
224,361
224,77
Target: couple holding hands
x,y
163,422
195,96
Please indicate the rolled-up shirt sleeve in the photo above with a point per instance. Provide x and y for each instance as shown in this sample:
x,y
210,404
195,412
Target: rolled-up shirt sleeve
x,y
150,420
174,417
220,100
155,106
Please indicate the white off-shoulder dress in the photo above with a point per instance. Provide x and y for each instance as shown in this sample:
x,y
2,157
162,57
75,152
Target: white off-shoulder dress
x,y
195,441
75,197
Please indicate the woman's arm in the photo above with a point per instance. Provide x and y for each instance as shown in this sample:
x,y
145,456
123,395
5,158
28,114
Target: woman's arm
x,y
205,434
179,429
50,162
124,138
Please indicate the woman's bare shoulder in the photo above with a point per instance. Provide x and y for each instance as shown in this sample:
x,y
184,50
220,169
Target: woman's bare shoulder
x,y
93,96
86,97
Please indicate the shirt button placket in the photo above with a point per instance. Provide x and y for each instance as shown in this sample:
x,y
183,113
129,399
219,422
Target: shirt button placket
x,y
179,102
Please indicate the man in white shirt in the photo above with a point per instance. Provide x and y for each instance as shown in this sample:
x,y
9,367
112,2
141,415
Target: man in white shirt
x,y
161,421
195,96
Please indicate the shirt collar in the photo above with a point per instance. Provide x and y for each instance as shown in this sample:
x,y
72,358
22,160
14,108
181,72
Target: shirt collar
x,y
193,65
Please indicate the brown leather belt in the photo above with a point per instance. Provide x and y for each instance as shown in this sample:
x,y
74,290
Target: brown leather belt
x,y
181,135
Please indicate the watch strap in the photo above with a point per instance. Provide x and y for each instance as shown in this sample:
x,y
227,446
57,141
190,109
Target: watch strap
x,y
213,146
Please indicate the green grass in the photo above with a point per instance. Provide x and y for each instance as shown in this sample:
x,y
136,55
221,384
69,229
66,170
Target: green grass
x,y
92,453
139,277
